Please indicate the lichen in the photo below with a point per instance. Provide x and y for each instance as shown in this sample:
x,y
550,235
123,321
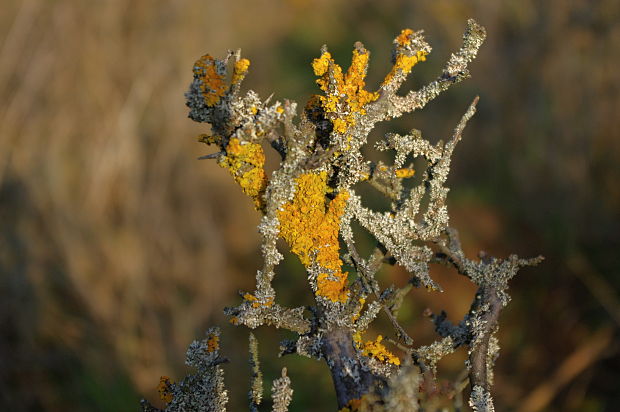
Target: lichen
x,y
281,393
213,343
240,70
201,391
256,302
480,400
165,394
404,173
310,201
345,94
376,349
352,406
212,77
404,63
404,38
310,227
409,49
255,395
245,162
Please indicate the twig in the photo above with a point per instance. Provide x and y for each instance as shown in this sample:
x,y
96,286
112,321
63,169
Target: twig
x,y
211,156
370,280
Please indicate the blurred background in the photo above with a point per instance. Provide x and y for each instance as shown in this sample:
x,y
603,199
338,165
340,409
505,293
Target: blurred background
x,y
118,247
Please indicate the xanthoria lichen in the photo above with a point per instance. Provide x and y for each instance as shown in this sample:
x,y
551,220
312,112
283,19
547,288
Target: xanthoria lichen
x,y
311,202
246,163
310,226
212,79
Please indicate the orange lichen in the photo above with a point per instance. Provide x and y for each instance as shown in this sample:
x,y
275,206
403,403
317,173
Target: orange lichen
x,y
321,65
234,320
404,64
347,96
404,173
404,38
352,406
250,298
240,70
256,303
165,394
311,230
209,139
213,343
375,349
246,162
332,287
213,84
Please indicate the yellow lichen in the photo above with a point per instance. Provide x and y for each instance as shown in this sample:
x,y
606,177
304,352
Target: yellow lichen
x,y
311,227
213,343
249,297
404,38
333,287
240,70
345,95
377,350
404,173
246,161
321,64
357,339
357,314
209,139
256,303
404,64
165,394
212,85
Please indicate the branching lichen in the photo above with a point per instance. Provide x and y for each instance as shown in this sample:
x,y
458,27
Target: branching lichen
x,y
311,202
281,393
203,391
255,394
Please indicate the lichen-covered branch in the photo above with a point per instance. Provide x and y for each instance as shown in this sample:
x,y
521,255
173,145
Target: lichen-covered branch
x,y
281,393
255,394
202,391
311,202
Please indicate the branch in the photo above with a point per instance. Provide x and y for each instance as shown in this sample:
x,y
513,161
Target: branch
x,y
351,379
487,308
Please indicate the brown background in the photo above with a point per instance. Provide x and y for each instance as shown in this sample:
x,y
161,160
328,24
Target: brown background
x,y
117,247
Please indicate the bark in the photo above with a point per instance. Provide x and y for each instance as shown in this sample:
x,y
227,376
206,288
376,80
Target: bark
x,y
351,379
478,375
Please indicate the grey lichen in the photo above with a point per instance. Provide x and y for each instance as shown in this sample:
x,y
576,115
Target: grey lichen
x,y
313,200
281,393
255,395
433,353
203,391
480,400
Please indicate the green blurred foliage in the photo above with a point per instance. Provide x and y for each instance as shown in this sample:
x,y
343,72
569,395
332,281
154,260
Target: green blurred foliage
x,y
117,248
